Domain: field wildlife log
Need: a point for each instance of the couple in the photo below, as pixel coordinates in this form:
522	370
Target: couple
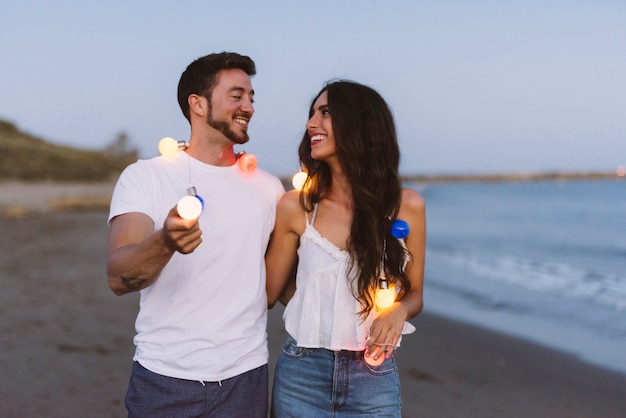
201	346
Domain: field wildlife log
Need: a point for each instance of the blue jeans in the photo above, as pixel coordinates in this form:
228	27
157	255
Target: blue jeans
153	395
311	383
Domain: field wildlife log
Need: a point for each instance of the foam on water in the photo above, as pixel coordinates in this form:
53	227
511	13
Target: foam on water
555	278
544	261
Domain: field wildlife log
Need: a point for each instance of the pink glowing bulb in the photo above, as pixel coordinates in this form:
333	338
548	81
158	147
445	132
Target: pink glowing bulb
247	162
370	360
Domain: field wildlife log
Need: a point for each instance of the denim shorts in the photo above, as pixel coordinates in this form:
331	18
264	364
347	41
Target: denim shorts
153	395
314	382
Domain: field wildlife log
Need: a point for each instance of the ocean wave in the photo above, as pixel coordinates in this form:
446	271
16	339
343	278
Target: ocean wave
575	283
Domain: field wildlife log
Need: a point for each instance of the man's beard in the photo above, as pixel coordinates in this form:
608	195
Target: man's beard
224	128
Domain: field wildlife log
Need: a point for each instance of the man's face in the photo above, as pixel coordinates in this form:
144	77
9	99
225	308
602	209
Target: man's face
230	105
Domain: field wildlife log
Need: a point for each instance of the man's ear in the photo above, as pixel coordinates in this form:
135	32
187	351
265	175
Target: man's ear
198	104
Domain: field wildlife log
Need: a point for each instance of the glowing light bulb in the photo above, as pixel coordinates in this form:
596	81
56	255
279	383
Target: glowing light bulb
385	298
298	180
190	207
168	146
247	162
385	294
370	360
400	229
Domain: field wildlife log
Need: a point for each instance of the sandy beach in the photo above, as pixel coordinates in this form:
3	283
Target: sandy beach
66	340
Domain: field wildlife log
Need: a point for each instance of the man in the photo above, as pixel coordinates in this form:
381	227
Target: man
201	346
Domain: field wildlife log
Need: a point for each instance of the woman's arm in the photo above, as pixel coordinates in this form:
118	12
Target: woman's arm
387	328
281	255
413	210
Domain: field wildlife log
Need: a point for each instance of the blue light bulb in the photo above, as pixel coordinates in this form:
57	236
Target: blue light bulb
400	229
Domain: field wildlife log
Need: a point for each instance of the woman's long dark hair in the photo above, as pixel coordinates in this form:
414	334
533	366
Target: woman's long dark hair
367	148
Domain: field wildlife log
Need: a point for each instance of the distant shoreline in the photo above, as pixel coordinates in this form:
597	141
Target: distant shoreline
21	197
496	177
511	177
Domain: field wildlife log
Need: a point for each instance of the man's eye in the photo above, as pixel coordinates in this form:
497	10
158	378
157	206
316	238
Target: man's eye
237	97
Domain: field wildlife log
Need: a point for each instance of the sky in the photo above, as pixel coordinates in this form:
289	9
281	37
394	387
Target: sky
478	86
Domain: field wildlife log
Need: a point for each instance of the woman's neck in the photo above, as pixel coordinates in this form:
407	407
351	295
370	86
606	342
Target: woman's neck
340	189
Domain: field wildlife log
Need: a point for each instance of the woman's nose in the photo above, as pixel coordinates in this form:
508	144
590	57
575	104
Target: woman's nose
312	123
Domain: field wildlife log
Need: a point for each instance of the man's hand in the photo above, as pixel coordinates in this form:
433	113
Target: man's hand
182	235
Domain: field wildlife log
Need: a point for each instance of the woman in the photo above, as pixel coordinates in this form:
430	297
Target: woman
336	232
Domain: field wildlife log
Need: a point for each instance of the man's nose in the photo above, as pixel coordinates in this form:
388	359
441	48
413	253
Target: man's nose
247	106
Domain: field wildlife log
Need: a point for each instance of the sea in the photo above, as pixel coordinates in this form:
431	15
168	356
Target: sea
543	260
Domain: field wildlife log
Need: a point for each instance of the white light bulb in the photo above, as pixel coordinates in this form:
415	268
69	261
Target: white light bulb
168	146
189	207
298	180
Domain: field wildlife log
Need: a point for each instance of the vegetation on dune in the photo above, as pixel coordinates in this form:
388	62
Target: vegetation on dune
24	157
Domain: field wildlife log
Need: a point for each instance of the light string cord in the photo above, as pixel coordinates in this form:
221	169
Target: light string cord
191	190
189	164
269	160
382	275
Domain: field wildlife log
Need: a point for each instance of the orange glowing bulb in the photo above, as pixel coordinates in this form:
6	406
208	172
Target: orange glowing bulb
385	297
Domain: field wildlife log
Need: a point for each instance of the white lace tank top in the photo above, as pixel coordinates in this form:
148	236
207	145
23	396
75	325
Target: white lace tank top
323	312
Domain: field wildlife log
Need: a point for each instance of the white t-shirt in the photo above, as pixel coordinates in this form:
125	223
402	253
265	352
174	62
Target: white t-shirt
205	316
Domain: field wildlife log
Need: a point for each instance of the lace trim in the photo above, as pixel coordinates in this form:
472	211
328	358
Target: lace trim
314	236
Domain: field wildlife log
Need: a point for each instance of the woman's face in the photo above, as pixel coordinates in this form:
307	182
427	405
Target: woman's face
320	129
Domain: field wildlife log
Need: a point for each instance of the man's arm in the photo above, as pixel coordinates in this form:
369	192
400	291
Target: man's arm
137	254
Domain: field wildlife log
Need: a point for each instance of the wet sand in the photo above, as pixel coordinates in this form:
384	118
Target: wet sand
66	342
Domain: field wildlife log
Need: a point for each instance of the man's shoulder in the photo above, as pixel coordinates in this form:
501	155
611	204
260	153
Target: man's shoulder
269	179
157	163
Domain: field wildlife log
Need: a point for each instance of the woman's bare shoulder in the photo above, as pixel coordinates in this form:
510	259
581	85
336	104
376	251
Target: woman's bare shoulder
411	200
290	213
290	201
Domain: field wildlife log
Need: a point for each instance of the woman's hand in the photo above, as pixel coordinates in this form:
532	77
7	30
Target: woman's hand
385	331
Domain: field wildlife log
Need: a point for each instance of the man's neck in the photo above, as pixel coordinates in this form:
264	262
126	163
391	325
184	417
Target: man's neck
214	152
